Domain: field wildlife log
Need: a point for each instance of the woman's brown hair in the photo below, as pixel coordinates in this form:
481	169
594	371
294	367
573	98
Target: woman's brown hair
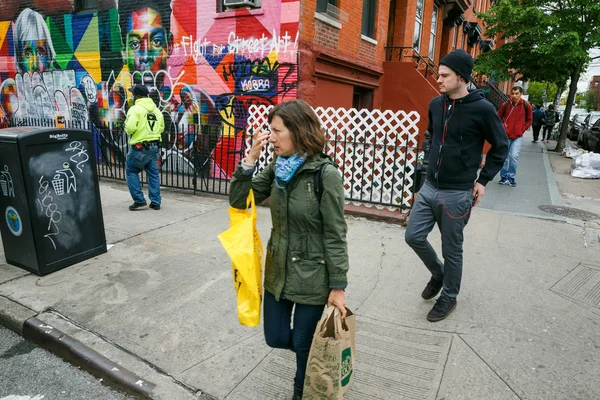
303	124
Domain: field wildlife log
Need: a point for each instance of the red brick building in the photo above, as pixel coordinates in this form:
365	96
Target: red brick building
595	83
383	53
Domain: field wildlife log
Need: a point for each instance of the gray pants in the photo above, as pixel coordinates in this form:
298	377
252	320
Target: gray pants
451	210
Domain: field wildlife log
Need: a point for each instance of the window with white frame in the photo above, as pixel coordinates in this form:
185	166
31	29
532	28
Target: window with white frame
433	33
322	5
418	25
368	18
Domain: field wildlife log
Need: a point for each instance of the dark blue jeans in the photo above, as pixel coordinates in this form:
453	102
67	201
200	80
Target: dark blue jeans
279	334
137	161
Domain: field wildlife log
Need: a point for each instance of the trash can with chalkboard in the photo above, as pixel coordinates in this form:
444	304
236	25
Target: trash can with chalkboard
49	198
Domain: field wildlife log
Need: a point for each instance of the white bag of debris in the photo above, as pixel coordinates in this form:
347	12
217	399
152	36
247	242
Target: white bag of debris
586	166
571	152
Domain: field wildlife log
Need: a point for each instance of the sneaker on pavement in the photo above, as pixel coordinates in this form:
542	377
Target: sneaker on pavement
155	206
442	308
137	206
432	289
503	181
512	182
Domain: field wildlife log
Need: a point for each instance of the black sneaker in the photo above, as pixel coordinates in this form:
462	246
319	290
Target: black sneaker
137	206
155	206
297	394
442	308
432	289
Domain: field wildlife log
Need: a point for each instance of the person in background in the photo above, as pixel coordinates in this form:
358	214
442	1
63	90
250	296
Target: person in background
517	116
539	118
551	119
145	125
307	254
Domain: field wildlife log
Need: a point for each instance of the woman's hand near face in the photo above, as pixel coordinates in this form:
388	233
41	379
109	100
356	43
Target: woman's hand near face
260	139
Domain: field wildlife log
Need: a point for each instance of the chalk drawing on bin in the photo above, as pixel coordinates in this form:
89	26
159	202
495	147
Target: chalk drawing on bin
64	178
50	209
6	183
81	155
13	220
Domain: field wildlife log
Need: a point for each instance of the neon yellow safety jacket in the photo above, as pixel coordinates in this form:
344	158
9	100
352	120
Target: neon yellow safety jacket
145	122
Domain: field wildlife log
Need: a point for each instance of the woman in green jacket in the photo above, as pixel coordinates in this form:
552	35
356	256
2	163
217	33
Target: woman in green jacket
307	253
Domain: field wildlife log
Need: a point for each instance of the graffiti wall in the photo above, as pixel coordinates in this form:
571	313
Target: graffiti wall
202	67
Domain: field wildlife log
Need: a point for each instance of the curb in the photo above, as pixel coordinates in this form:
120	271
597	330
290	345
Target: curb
22	320
552	185
370	213
374	214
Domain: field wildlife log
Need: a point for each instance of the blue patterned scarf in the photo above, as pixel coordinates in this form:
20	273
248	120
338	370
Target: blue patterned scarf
286	167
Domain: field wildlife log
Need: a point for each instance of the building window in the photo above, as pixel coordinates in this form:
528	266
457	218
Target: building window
368	18
595	84
86	5
362	98
433	34
418	25
455	38
322	5
224	5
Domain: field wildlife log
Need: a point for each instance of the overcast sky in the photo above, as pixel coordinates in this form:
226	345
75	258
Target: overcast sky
594	69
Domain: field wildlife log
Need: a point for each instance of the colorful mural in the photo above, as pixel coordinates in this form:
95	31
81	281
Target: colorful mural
203	67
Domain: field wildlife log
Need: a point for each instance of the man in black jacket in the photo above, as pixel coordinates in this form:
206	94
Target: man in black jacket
459	122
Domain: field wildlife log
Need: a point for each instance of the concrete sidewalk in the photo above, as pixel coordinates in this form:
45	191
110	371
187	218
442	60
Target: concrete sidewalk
161	304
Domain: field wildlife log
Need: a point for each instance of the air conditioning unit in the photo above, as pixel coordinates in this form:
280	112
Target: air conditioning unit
240	3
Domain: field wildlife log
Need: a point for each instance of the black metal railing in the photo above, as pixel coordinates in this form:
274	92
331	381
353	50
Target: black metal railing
200	158
408	54
492	93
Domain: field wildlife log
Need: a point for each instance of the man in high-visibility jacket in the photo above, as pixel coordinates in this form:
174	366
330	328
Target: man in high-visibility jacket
145	124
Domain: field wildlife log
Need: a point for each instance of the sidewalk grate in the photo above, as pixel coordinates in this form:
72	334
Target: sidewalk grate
582	285
570	212
391	363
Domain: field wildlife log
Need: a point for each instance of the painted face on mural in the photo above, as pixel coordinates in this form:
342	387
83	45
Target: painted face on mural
34	56
148	43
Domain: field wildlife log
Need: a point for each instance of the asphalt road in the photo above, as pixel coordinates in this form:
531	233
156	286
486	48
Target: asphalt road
28	372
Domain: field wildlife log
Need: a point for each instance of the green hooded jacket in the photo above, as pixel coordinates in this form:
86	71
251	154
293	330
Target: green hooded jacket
307	253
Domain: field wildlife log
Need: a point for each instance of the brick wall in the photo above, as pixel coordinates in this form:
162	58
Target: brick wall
326	35
349	41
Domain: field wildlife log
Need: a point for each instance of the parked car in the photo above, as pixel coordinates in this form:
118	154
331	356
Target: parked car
576	126
590	134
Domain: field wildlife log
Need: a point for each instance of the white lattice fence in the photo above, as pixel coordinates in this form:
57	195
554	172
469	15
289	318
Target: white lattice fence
376	152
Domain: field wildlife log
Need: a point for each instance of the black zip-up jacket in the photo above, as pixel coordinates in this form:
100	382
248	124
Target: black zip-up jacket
454	157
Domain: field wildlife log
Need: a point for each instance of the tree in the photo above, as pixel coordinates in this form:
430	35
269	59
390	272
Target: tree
547	40
542	92
592	100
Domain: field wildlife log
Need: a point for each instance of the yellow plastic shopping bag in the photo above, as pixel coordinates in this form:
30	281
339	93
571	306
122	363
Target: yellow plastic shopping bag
244	247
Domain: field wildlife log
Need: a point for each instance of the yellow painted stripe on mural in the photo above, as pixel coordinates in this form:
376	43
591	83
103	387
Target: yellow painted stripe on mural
3	31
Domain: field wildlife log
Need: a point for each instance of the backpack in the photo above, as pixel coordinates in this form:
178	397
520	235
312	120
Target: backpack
318	182
526	107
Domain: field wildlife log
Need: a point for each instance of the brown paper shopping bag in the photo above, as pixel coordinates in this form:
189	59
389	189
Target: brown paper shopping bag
331	358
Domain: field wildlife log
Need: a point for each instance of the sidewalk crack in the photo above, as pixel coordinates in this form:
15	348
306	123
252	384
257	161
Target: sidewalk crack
248	374
14	279
437	393
490	367
380	270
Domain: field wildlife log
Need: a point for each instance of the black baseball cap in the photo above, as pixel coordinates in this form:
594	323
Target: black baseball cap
139	90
